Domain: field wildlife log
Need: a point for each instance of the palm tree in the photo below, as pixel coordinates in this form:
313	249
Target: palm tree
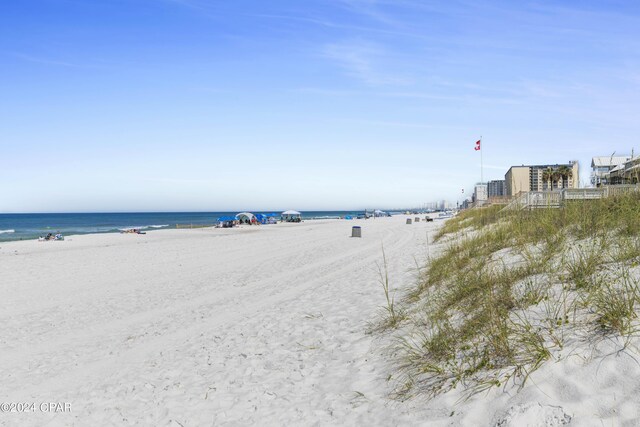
547	176
565	172
557	178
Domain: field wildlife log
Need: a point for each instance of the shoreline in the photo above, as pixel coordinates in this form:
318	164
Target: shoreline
11	232
152	229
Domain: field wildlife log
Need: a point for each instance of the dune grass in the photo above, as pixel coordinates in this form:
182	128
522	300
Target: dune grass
393	315
509	287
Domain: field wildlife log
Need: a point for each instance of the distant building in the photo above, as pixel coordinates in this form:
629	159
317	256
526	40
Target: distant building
517	179
480	195
541	178
625	173
496	188
602	166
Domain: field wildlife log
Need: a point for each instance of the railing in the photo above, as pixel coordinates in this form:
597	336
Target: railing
583	193
499	200
543	199
556	198
617	190
536	199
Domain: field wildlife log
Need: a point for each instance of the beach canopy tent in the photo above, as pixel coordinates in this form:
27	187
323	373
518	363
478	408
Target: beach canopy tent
291	216
226	221
245	216
270	218
267	218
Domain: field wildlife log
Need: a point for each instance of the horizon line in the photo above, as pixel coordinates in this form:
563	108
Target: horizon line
207	211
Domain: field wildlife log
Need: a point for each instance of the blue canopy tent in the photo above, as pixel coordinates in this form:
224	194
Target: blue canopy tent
267	218
226	221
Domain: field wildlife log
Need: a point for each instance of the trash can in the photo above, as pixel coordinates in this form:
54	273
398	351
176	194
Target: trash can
408	220
417	219
356	231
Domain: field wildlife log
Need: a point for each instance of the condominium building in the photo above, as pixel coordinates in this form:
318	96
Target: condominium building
602	166
541	177
496	188
624	173
480	194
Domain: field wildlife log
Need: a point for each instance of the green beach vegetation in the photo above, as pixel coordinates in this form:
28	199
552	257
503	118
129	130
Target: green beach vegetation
510	290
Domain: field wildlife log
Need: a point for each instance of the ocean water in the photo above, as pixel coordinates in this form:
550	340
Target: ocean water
31	226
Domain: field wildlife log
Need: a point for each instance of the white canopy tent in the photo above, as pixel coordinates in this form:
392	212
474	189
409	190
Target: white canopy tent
291	216
245	216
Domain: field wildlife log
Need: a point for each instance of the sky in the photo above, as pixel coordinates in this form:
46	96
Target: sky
203	105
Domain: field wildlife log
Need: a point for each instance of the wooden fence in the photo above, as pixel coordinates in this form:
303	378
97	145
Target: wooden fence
556	198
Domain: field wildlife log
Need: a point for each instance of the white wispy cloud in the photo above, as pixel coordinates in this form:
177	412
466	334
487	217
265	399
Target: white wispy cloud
48	61
364	61
370	9
327	23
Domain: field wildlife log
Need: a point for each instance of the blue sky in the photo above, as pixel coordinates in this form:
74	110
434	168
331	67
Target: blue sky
147	105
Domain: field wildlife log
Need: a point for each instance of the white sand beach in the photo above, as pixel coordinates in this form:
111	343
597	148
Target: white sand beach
250	326
258	325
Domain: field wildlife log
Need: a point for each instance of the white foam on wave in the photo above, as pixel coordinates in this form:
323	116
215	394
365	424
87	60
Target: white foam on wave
7	231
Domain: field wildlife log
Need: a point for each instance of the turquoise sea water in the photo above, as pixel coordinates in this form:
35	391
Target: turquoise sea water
30	226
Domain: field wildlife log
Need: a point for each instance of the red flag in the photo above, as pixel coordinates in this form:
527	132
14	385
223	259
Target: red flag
477	147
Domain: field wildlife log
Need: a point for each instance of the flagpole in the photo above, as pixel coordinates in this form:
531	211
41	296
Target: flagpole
481	165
